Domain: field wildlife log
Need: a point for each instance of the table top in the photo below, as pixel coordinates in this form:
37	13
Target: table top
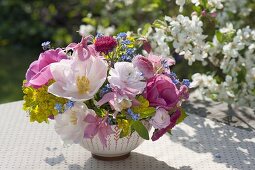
198	143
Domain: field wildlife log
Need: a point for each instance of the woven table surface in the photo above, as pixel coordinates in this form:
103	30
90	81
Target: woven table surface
198	143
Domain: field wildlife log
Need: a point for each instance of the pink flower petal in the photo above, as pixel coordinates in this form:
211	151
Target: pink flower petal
173	119
42	77
90	119
38	73
91	130
102	137
106	98
33	69
144	65
162	92
103	132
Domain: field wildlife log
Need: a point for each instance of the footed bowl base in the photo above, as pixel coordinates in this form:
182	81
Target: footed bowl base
115	158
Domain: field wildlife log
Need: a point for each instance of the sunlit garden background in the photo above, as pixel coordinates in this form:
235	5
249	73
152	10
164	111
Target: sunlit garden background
25	24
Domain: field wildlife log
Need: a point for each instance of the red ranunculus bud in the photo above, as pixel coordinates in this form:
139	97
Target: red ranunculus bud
105	44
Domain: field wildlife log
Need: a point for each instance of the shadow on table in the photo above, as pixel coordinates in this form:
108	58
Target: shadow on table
145	162
55	160
228	145
240	117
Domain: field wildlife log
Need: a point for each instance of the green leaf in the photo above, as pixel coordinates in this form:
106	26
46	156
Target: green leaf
214	96
204	3
150	7
144	112
159	24
143	102
228	37
100	112
141	129
90	21
241	75
253	91
146	28
197	9
218	79
182	117
143	109
219	36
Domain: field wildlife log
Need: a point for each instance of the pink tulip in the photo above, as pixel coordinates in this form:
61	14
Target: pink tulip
144	65
39	72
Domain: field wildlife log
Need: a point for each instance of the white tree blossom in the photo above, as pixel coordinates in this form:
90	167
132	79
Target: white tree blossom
231	50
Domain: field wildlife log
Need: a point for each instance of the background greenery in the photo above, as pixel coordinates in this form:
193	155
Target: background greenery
25	24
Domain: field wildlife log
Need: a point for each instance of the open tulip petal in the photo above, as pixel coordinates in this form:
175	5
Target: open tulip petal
78	80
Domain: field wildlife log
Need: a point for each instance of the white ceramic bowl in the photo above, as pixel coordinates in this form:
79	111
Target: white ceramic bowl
117	148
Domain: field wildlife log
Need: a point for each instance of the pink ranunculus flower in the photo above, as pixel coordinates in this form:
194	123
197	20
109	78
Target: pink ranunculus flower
162	92
126	77
161	119
39	72
173	120
144	65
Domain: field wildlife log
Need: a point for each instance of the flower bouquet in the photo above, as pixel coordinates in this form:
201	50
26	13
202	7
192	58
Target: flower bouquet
103	95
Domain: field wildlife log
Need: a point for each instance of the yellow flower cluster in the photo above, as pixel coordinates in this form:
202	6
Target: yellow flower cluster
40	104
132	42
125	126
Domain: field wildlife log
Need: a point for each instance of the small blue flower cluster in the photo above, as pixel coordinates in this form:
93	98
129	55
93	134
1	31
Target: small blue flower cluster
105	89
186	82
46	45
172	74
125	57
60	108
174	78
165	64
128	53
125	42
175	81
133	115
121	35
69	104
99	35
